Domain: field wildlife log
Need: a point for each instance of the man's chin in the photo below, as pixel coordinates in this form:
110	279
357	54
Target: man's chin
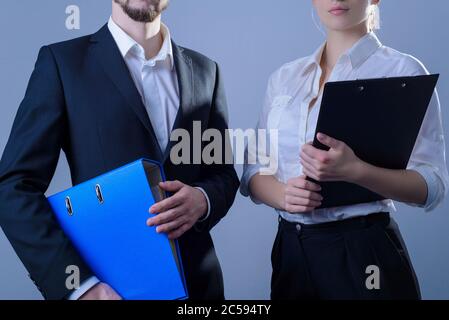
142	12
141	15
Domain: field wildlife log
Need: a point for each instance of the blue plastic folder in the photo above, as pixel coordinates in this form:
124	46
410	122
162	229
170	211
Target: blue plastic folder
105	218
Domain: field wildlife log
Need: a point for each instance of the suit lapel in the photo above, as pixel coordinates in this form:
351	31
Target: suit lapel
184	71
109	57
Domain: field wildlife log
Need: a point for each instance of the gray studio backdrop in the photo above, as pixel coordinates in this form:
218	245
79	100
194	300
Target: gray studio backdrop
250	39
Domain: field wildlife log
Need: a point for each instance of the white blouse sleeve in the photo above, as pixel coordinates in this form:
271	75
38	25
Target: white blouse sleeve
252	164
428	156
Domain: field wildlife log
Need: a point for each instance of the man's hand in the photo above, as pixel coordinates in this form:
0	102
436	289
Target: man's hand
178	213
101	291
301	195
339	163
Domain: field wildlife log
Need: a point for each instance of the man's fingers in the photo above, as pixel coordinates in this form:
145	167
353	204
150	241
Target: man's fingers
171	186
165	204
100	291
179	232
170	226
170	202
111	294
164	217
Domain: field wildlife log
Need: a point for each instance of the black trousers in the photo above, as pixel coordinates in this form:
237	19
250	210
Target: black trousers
358	258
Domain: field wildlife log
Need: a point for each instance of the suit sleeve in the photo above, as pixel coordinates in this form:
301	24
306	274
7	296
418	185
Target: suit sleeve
219	181
27	166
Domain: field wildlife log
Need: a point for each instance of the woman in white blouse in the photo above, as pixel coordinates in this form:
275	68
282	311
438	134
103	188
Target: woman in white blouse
355	251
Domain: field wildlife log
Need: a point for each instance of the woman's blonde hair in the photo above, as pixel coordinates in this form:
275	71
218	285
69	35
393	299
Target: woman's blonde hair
374	23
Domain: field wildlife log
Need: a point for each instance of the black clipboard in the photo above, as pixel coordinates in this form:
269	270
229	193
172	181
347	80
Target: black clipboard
379	119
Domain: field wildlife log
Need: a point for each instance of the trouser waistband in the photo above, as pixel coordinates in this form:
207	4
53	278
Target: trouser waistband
382	218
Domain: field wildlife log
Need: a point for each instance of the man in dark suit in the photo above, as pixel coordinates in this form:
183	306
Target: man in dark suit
106	100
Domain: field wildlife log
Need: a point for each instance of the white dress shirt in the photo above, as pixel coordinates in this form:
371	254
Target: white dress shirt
155	79
286	108
157	82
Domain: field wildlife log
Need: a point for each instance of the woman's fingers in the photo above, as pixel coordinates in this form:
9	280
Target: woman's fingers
311	174
307	168
297	209
298	192
298	201
302	195
302	183
307	159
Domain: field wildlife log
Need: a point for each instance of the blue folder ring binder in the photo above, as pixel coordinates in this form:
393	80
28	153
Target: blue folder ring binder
105	218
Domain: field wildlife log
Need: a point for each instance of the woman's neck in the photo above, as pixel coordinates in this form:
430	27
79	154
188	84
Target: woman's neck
338	42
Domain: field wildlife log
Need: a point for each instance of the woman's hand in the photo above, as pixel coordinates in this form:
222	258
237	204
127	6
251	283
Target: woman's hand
301	195
339	163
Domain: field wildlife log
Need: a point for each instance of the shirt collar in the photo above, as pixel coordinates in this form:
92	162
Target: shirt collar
363	49
357	54
126	44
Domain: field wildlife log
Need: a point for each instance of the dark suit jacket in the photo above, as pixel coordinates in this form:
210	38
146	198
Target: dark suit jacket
81	99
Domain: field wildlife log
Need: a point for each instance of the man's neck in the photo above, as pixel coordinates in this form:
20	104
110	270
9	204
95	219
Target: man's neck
148	35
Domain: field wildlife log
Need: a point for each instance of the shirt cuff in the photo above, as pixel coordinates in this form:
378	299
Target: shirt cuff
433	187
248	173
208	204
85	286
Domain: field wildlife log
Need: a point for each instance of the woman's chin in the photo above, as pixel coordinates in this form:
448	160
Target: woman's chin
340	26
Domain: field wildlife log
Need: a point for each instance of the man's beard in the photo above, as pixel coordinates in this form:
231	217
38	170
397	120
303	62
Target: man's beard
143	15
